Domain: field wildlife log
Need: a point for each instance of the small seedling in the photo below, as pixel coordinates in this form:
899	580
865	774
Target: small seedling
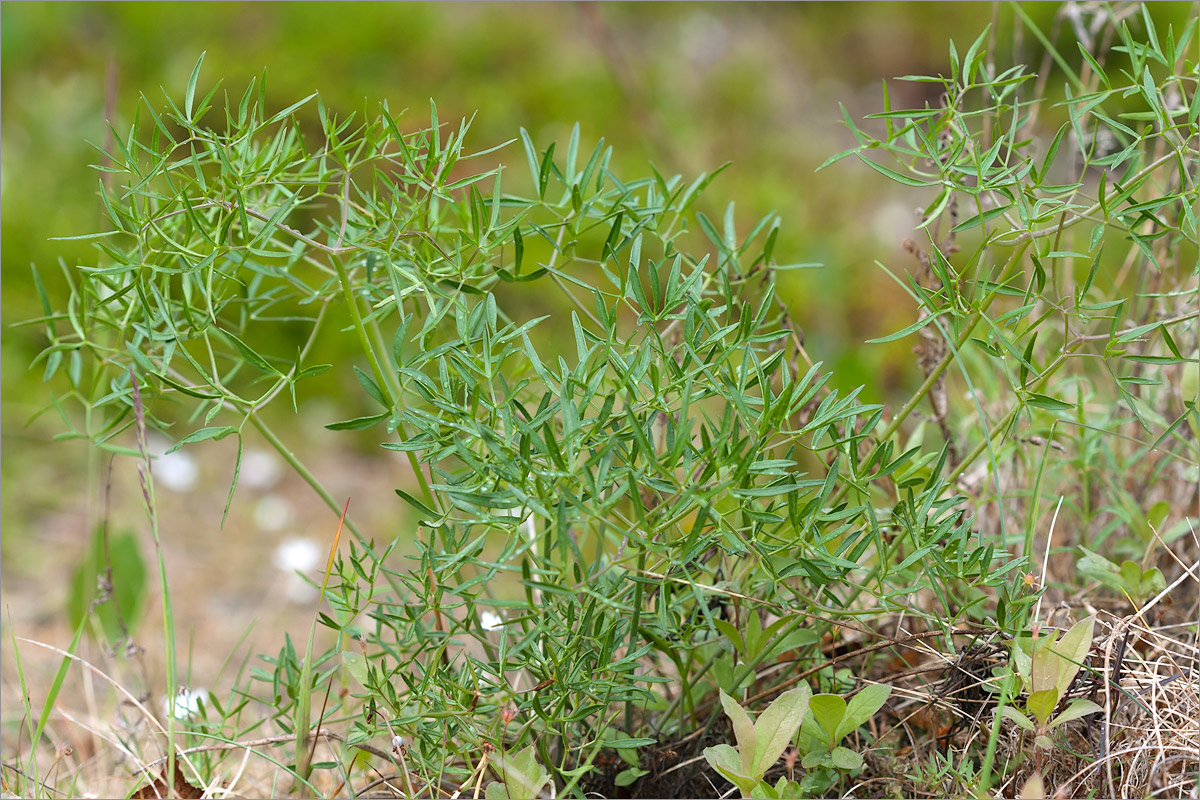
1129	579
760	744
1047	675
521	776
832	719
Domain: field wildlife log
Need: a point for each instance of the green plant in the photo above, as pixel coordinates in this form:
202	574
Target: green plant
760	743
1129	579
833	719
109	581
602	493
601	501
520	777
1047	667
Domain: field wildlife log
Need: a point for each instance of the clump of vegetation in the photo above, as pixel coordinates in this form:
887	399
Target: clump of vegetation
654	508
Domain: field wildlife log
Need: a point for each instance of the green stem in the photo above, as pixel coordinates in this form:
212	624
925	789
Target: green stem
930	379
633	628
1006	422
700	673
150	505
385	386
985	772
424	484
364	339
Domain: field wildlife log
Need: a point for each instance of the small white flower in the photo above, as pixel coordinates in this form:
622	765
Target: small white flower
490	620
187	702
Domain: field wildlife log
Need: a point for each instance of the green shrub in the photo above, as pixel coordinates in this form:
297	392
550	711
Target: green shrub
668	492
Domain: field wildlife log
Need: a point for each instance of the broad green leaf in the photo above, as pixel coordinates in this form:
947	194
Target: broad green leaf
1010	713
1072	650
777	726
1041	704
1131	577
356	664
128	580
743	732
1096	567
845	758
521	776
1153	582
1157	514
828	710
862	707
753	632
1189	379
731	633
1079	707
628	777
728	761
1046	663
724	758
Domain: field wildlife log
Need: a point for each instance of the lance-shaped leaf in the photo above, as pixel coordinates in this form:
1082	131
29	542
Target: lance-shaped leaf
777	725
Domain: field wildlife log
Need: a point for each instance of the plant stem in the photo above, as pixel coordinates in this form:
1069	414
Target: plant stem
985	772
930	379
364	339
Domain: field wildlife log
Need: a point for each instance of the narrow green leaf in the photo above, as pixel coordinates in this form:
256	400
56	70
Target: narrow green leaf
204	433
371	387
980	219
624	744
911	329
358	423
190	95
289	110
893	175
250	355
425	510
1046	402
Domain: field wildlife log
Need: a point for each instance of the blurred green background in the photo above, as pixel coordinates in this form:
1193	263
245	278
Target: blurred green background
684	86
